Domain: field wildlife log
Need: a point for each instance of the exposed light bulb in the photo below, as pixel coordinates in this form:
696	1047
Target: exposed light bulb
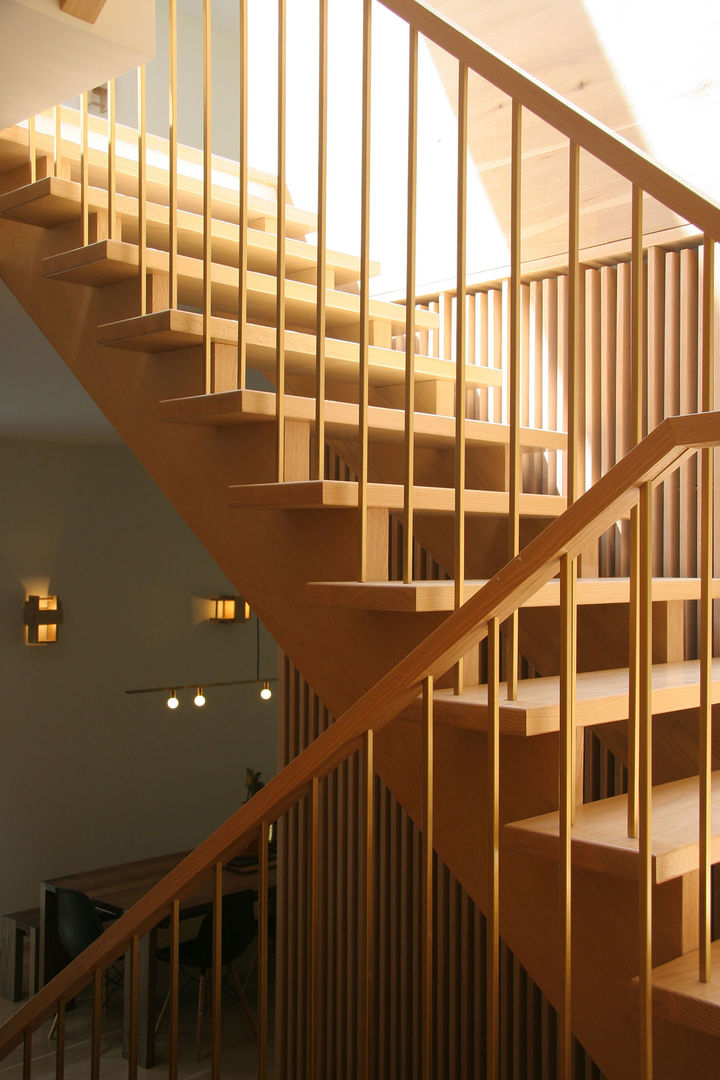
199	698
266	692
173	701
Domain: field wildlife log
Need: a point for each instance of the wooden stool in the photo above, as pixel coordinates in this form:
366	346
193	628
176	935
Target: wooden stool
15	928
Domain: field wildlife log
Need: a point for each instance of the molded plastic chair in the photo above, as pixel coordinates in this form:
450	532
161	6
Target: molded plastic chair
79	923
238	931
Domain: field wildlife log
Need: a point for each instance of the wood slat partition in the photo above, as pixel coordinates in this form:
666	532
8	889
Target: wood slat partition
528	1032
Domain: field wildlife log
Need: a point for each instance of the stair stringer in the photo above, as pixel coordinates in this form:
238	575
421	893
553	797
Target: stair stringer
605	908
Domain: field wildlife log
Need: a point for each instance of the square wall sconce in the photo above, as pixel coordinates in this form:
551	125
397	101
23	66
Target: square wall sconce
229	609
43	615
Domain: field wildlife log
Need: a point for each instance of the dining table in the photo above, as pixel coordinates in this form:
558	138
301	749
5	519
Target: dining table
120	887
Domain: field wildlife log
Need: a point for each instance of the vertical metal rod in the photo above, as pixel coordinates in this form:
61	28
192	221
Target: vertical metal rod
84	215
427	883
364	292
57	141
207	196
408	536
514	382
60	1042
314	957
32	149
636	381
217	972
493	821
645	780
27	1055
368	928
133	1035
172	153
568	619
573	329
321	277
706	615
243	199
112	160
174	989
460	325
142	190
280	294
97	1007
263	952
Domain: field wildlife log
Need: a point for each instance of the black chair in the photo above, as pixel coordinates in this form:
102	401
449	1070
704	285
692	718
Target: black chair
238	931
80	921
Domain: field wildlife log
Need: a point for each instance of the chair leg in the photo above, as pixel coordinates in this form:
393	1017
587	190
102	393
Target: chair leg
243	1000
200	1013
161	1015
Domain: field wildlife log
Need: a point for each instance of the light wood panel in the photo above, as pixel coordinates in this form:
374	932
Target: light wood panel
322	494
112	261
602	698
87	10
55	201
599	836
438	595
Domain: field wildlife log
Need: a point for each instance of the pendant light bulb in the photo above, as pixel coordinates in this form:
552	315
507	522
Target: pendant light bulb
199	698
266	692
173	701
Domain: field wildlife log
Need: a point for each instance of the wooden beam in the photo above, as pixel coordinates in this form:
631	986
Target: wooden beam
87	10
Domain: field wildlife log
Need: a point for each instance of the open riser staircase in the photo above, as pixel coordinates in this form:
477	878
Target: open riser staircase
479	525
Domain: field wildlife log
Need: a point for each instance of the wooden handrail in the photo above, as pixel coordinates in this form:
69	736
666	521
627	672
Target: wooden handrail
610	498
565	117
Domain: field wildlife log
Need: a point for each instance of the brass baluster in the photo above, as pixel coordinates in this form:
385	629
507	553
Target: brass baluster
321	277
207	196
636	393
243	199
493	822
172	153
460	321
142	189
512	654
364	293
217	972
408	524
645	778
706	615
280	285
427	883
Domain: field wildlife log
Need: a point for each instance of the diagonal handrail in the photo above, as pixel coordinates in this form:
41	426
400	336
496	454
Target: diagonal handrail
610	498
568	119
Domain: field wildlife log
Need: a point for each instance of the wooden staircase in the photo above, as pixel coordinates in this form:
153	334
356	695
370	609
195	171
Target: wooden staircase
211	450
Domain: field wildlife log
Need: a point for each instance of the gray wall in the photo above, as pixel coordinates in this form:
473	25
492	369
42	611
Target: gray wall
88	775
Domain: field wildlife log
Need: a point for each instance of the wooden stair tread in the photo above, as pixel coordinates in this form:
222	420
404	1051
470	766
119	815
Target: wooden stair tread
341	419
679	996
602	698
55	201
110	261
14	152
599	836
322	494
429	596
164	331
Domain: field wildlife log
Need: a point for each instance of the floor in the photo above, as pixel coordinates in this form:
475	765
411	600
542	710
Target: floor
239	1055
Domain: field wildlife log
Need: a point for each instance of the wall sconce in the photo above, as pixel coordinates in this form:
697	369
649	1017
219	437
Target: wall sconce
229	609
43	615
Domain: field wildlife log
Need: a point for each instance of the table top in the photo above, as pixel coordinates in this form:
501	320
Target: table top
125	884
